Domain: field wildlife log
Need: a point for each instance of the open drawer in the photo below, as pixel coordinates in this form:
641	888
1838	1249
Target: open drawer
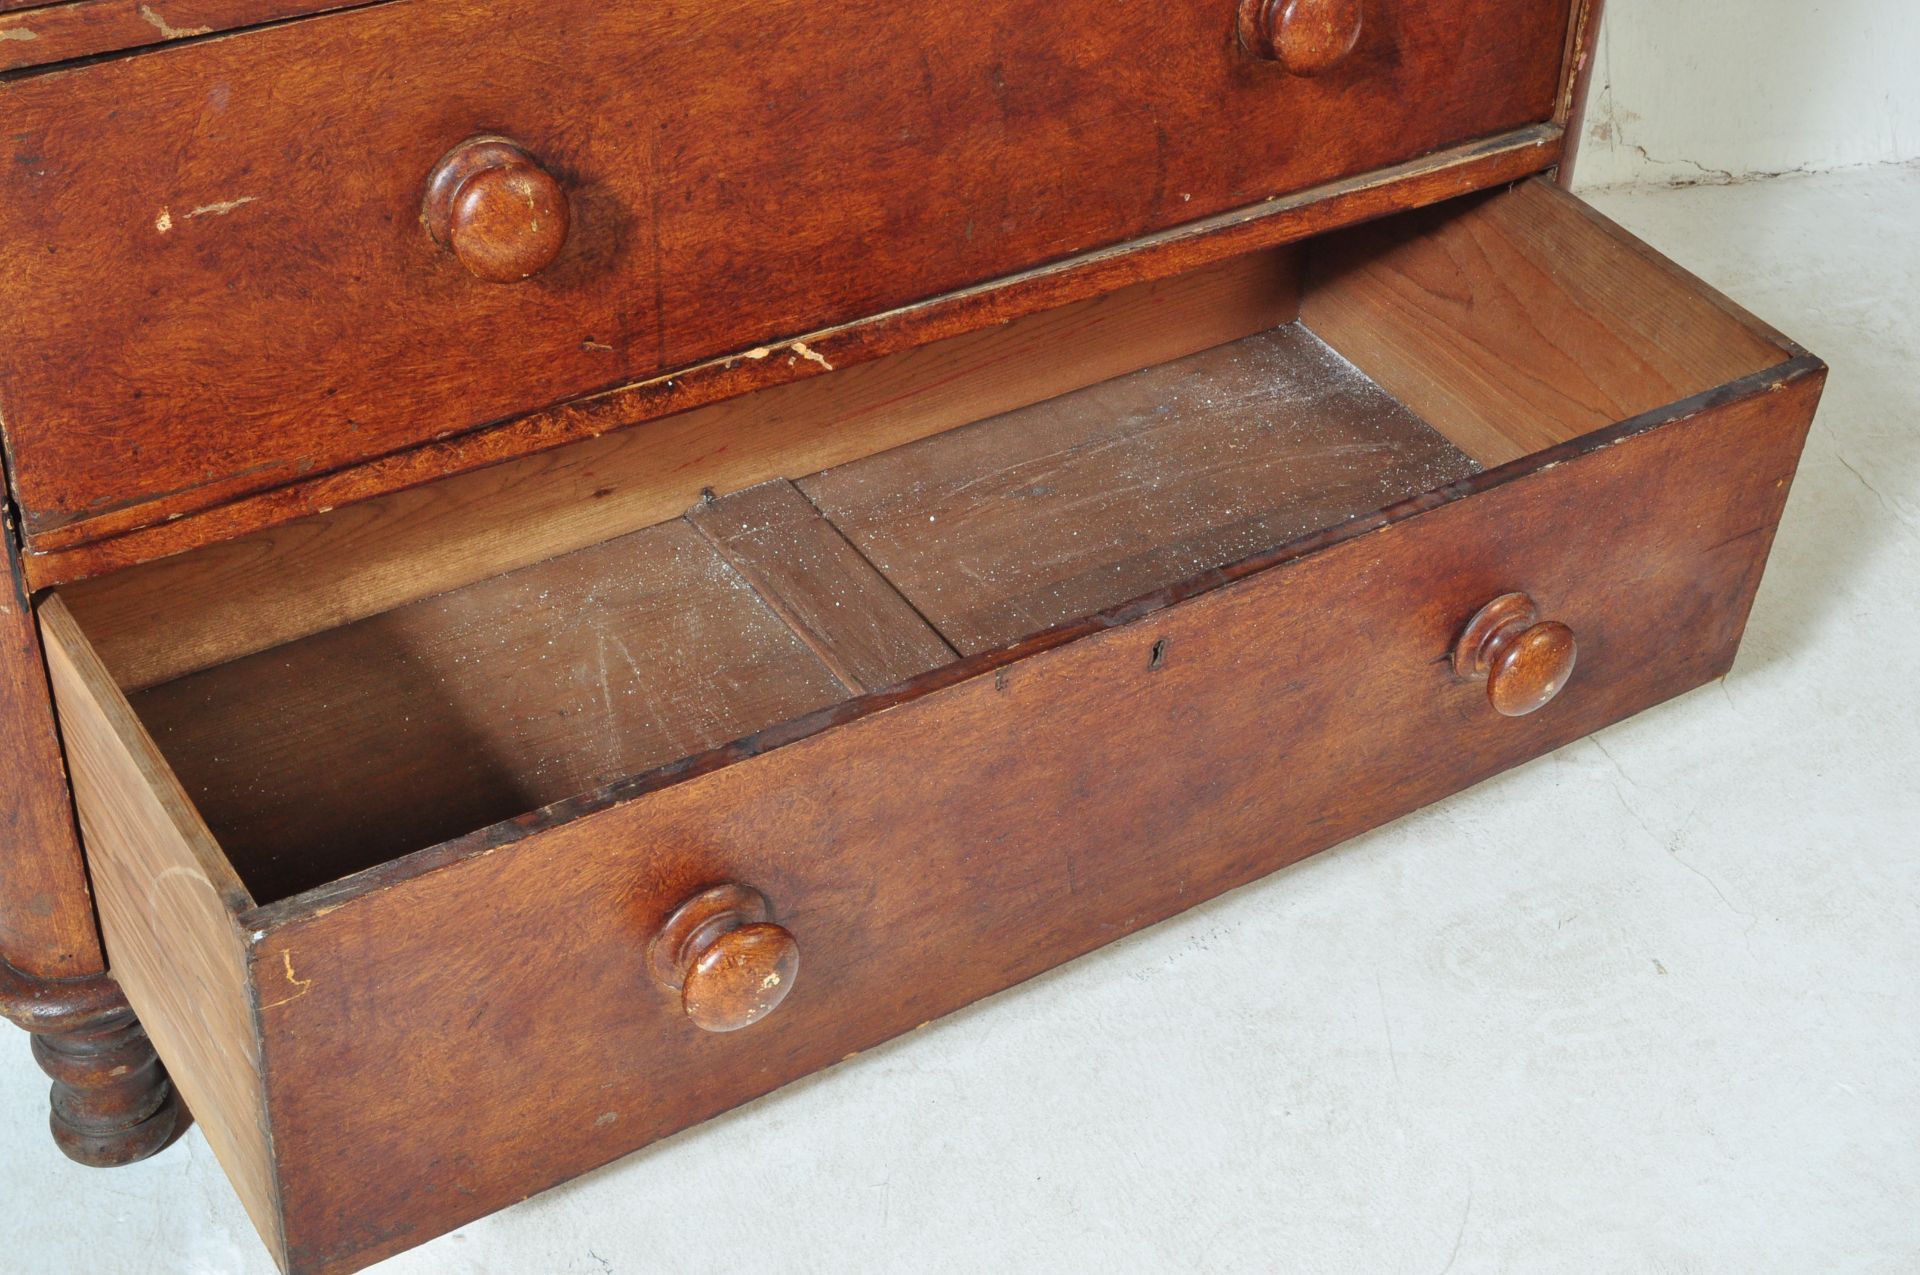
435	844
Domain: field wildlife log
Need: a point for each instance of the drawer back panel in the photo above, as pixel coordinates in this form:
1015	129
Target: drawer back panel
219	279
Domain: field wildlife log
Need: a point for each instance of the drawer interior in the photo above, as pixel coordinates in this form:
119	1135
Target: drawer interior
392	677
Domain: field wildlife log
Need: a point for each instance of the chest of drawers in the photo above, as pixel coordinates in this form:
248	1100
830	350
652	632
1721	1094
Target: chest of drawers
575	564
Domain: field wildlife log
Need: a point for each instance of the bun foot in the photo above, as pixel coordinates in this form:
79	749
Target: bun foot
112	1103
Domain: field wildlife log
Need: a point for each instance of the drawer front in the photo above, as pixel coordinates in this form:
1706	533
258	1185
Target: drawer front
423	1067
220	278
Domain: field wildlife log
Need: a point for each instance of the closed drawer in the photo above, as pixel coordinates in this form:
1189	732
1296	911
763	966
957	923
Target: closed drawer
391	898
220	281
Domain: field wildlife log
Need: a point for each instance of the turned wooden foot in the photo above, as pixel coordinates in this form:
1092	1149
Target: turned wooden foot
112	1102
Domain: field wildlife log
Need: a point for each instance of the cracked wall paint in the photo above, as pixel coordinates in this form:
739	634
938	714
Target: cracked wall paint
1720	91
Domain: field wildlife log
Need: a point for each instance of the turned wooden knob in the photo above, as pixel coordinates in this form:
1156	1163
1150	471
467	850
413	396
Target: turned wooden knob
1306	37
1524	661
491	205
721	951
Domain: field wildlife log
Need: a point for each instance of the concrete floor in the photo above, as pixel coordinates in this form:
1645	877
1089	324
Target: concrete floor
1651	1004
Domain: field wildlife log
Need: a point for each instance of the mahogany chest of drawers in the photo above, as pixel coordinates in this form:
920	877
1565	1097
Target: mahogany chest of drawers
573	564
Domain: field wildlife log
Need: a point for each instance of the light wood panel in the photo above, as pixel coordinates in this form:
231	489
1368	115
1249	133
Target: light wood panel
168	899
1041	516
158	621
1518	320
831	597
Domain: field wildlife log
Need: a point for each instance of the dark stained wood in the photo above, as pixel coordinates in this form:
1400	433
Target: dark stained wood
153	623
111	1102
407	1033
722	201
1510	325
1306	37
729	963
60	32
740	977
332	754
168	902
134	537
1042	516
831	597
41	1005
1084	792
47	928
926	844
1582	52
492	206
317	759
48	32
1524	660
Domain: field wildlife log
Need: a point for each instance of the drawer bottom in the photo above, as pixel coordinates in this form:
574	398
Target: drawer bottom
330	755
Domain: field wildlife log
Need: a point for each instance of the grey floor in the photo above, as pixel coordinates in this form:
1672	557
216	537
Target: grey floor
1651	1004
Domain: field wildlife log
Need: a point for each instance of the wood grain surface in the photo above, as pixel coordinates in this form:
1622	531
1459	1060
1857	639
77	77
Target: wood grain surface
930	843
112	541
1583	48
36	33
317	759
356	745
181	614
276	310
168	901
981	830
833	599
47	927
1522	318
1042	516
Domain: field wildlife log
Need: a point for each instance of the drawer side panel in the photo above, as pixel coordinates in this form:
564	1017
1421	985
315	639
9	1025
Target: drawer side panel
167	901
496	1013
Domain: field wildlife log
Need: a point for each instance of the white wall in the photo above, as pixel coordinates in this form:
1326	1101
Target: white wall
1723	90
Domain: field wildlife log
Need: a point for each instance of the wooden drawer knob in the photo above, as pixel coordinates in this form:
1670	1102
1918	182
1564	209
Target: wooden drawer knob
1306	37
497	210
721	951
1524	661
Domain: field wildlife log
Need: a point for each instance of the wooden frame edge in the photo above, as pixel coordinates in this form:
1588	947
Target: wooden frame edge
1582	57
